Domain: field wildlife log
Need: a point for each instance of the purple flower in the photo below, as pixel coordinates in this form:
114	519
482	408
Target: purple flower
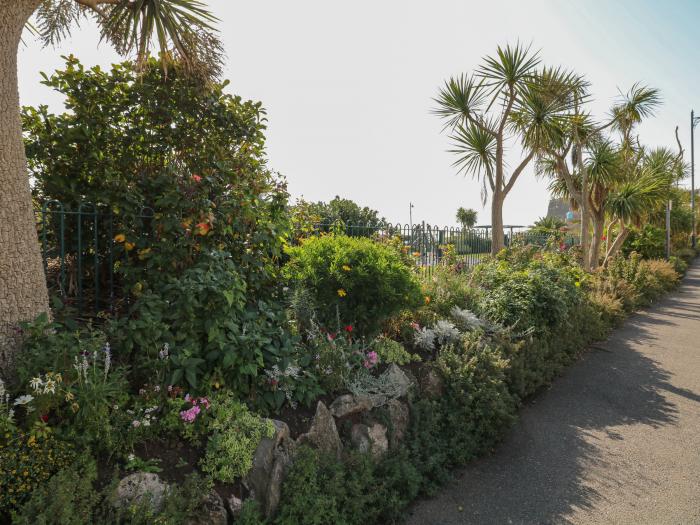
188	416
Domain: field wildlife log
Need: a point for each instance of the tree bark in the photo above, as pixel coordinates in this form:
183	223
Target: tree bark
23	292
584	207
598	230
619	241
497	238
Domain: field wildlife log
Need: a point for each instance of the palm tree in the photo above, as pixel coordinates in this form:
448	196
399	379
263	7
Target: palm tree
466	217
506	98
180	29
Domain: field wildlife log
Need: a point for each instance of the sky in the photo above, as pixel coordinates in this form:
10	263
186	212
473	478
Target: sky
348	86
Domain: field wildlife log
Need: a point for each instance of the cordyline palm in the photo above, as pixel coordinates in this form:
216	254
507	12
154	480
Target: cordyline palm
565	160
506	98
180	29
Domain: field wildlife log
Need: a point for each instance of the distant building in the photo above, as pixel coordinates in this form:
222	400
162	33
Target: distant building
558	208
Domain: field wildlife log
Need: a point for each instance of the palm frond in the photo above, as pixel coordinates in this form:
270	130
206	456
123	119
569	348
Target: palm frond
475	149
459	99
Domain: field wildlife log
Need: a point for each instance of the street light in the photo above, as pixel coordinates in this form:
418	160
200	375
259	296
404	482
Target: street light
693	121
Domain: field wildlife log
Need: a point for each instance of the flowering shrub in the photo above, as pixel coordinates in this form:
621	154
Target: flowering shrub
336	357
390	351
26	461
352	279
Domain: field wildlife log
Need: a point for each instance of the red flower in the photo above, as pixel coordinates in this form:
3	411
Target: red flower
197	178
348	328
331	337
604	238
44	418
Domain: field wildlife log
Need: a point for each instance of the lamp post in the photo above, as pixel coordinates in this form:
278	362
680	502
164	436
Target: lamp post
693	121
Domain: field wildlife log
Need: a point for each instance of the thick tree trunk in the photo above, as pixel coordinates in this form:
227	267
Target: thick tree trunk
585	216
598	229
497	238
23	293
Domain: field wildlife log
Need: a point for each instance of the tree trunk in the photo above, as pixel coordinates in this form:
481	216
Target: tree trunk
598	229
584	207
617	245
23	293
497	239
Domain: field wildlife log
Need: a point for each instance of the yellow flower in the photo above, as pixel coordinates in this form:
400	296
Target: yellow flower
342	293
58	377
120	237
69	396
416	254
577	284
143	253
346	268
129	246
427	299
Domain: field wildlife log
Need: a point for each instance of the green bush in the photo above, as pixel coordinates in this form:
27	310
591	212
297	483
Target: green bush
236	435
26	461
649	241
528	293
390	351
477	405
352	280
68	498
687	254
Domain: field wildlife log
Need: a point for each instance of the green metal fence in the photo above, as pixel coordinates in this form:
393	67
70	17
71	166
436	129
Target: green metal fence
83	261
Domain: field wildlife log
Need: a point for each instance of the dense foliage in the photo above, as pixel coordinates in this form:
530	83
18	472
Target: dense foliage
352	280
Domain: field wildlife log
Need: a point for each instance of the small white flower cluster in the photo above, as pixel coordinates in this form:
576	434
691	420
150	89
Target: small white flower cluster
143	417
465	319
277	376
5	404
45	385
164	353
81	367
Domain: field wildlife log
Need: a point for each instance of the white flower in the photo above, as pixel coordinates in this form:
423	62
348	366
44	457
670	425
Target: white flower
165	352
2	388
146	423
50	387
23	400
36	383
11	413
136	423
131	457
115	407
156	388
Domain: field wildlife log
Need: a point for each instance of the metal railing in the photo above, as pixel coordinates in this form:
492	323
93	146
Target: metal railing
83	261
80	254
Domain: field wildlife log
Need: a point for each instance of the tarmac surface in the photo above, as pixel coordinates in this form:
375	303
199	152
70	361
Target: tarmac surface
615	439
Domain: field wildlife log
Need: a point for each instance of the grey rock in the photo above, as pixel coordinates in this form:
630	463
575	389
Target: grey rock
138	487
399	416
323	434
370	439
234	504
399	379
270	462
431	383
349	404
212	511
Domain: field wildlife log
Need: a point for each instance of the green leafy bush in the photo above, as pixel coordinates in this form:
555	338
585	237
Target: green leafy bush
687	254
26	461
477	405
68	498
236	434
352	280
528	293
649	241
390	351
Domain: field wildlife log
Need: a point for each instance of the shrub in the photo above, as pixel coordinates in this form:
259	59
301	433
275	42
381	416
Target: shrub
679	264
26	461
68	498
390	351
448	288
530	294
352	280
236	435
477	405
649	242
610	307
687	254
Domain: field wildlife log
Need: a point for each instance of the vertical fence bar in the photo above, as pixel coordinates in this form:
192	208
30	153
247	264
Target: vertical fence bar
79	254
96	261
110	244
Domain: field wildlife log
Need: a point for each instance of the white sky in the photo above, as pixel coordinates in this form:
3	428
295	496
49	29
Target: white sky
348	86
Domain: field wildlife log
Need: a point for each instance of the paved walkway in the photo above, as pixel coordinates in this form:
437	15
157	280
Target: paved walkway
616	440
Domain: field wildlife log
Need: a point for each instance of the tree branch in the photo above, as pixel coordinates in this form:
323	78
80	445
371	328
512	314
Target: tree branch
518	171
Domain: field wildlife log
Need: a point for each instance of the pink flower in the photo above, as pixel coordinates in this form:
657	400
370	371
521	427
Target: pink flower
372	359
205	402
415	326
197	178
187	397
188	416
136	423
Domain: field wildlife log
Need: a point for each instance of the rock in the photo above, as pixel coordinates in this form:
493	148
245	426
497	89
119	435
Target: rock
139	486
323	433
399	417
431	383
370	439
348	404
397	377
212	511
234	505
270	462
